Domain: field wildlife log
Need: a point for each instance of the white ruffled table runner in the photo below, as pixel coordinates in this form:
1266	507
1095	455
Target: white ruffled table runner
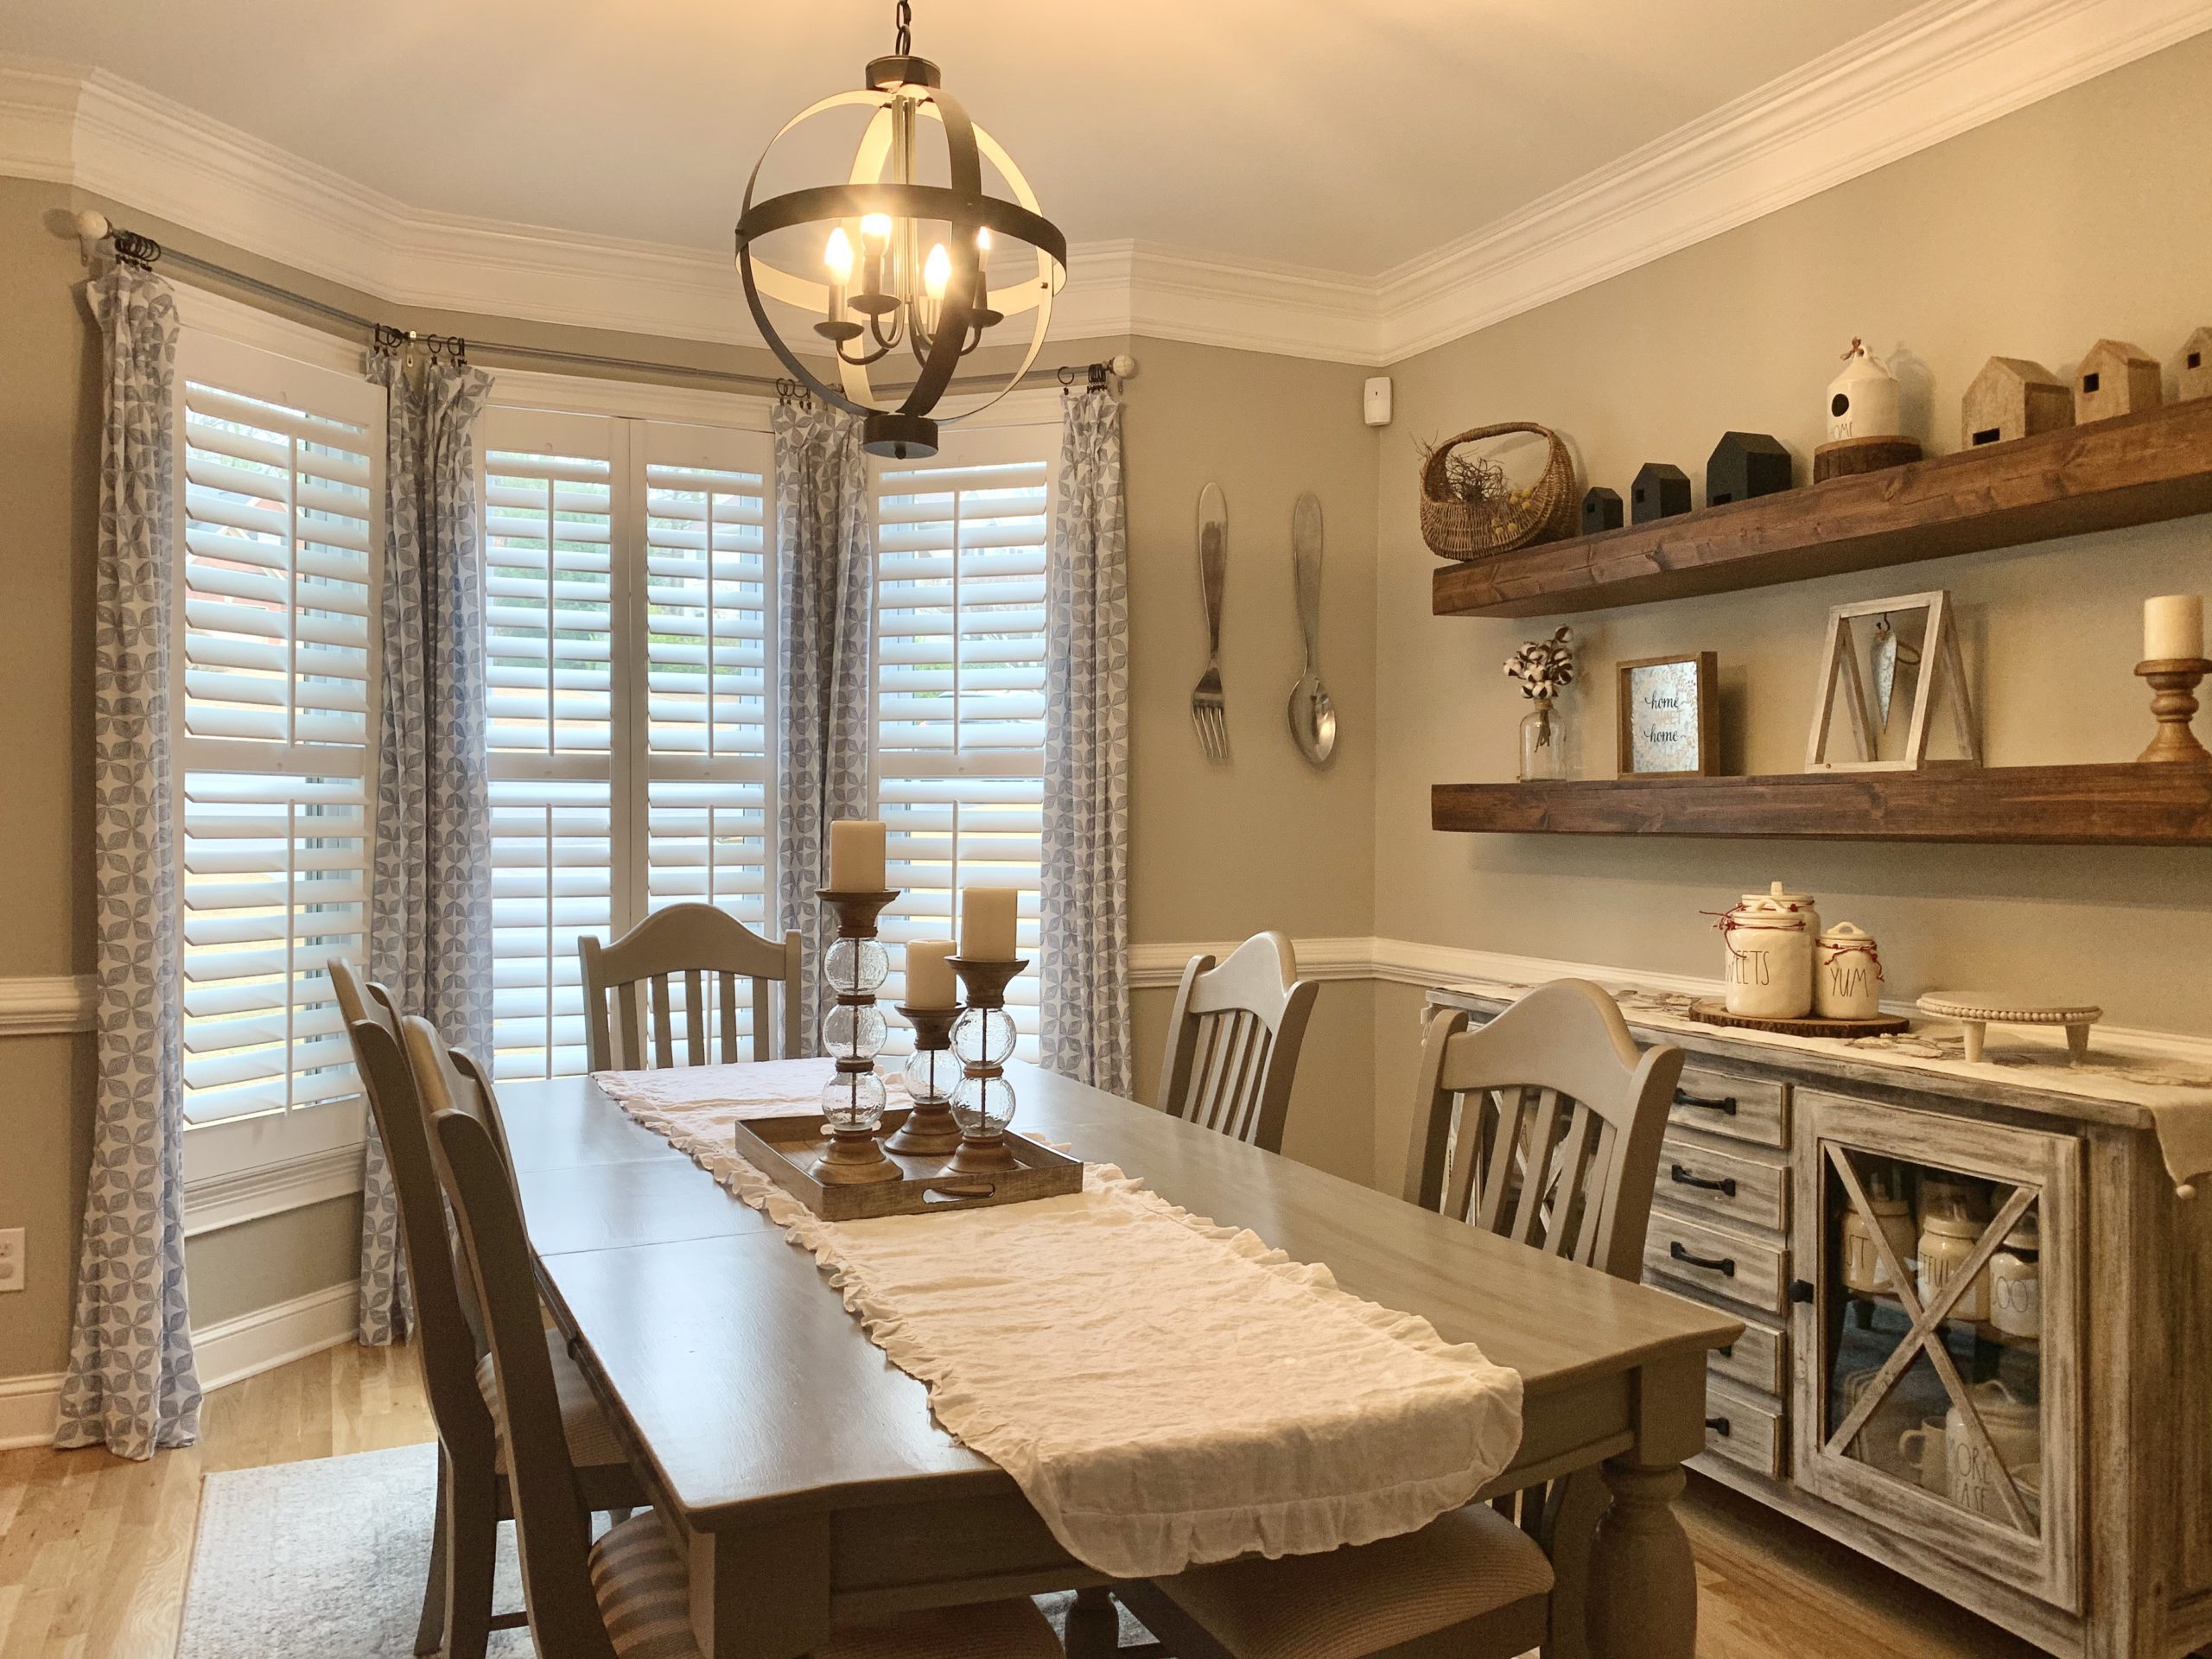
1167	1392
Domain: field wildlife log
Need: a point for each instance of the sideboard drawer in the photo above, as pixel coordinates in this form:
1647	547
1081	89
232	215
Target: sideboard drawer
1731	1184
1743	1429
1757	1359
1717	1262
1740	1107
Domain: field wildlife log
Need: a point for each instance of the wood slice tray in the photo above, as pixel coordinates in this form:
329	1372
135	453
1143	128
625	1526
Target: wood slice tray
784	1150
1712	1011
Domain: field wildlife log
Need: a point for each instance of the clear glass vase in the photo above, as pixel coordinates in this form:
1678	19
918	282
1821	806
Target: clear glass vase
1543	742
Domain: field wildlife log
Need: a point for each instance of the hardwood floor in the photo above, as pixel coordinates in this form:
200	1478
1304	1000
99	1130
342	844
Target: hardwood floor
93	1550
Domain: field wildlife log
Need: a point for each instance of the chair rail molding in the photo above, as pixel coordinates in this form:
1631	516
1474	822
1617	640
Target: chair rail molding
1933	72
40	1007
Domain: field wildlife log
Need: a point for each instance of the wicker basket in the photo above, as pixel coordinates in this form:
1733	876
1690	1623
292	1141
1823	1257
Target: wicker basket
1481	529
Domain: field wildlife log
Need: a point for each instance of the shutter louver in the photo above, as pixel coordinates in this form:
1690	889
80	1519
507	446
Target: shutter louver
274	671
960	687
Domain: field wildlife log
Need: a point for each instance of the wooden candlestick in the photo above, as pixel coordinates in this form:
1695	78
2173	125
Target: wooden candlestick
984	1151
930	1130
855	1156
2174	680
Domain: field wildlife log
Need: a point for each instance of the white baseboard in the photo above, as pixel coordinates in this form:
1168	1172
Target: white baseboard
260	1341
29	1407
228	1351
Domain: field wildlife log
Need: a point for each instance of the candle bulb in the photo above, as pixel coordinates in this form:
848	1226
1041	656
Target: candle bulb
929	974
856	855
987	919
838	256
2173	627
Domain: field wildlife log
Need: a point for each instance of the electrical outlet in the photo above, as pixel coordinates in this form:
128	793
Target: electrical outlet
11	1258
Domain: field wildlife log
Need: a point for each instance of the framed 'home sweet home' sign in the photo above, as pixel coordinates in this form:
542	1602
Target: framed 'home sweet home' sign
1667	716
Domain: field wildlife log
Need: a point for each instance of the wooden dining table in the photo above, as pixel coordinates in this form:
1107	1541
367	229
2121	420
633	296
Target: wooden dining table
809	1482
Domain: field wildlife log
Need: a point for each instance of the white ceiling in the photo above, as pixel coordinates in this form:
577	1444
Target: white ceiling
1348	135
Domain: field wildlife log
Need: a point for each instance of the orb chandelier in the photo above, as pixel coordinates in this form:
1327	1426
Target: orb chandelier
897	272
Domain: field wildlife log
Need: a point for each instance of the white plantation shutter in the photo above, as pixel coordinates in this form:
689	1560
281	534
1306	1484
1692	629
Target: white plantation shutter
281	506
626	569
960	547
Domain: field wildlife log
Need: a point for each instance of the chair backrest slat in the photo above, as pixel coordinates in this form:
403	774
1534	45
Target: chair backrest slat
551	1528
1544	1126
1233	1042
706	950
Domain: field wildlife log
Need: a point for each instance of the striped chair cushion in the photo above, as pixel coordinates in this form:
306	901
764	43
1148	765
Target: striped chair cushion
591	1442
1350	1602
644	1595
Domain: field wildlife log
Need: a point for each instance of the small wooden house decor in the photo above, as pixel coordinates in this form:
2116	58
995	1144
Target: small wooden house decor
1661	490
1601	510
2194	378
2115	378
1863	421
1938	672
2012	397
1745	464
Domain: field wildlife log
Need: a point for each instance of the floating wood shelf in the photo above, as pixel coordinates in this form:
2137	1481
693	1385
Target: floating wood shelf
2131	805
2135	469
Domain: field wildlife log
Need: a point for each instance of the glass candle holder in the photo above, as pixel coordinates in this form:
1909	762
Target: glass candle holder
983	1037
932	1076
853	1029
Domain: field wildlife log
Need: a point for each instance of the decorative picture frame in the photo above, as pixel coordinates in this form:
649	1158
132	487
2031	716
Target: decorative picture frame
1669	716
1937	667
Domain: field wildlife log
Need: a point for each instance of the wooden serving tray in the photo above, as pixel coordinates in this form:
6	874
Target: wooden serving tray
1712	1012
784	1150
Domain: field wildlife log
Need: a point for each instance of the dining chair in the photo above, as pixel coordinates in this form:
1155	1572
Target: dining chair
627	1595
473	1493
1233	1041
1543	1127
691	945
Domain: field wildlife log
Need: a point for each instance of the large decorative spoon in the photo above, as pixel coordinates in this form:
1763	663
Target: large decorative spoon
1312	716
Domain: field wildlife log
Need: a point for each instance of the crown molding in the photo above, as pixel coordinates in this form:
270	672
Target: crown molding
1933	72
1929	74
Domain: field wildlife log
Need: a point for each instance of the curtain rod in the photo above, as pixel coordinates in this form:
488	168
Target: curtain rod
142	251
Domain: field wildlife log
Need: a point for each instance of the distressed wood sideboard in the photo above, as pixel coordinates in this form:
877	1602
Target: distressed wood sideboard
2039	1448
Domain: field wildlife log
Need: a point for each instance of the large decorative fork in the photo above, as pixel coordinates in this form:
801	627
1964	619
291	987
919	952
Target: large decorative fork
1207	713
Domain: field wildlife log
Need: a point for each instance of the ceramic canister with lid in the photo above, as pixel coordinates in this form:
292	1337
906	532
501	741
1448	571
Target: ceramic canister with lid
1863	1270
1946	1241
1846	974
1767	954
2016	1280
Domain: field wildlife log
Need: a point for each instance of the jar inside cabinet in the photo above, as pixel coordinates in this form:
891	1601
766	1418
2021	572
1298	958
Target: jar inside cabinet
1940	1362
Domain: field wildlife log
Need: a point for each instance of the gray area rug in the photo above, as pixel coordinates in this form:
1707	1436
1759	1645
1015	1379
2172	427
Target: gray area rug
325	1560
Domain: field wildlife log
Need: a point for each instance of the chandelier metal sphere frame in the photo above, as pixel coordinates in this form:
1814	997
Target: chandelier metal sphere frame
877	289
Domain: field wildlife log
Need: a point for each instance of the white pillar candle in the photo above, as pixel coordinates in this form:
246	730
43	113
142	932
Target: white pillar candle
855	855
987	923
2173	626
929	974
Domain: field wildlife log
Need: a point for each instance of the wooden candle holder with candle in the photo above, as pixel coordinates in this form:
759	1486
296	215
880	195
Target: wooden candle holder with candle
852	1031
932	1076
983	1038
2173	663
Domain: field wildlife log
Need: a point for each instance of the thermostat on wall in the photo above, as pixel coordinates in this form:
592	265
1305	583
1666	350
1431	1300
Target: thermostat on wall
1378	401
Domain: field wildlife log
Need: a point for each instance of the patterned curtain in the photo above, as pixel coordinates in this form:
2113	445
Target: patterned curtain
131	1382
824	569
430	903
1085	877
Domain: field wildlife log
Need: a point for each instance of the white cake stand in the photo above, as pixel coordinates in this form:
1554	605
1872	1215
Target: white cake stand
1976	1011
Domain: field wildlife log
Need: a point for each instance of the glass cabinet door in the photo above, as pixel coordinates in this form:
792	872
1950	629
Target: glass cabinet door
1937	1336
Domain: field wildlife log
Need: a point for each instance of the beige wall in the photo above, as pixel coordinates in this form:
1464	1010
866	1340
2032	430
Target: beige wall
1266	841
272	1260
2088	215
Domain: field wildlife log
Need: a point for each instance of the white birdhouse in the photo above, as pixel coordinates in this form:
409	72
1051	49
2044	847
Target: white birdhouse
1863	399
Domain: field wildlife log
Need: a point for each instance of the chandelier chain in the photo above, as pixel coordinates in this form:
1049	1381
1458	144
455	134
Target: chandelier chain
903	15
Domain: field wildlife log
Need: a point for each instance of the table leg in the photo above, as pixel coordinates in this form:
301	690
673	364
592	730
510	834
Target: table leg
1641	1600
1094	1626
761	1592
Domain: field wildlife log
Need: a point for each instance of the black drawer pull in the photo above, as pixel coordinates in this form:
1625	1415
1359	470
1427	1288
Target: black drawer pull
1719	1426
1729	1352
1722	1104
1711	1263
1725	1186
